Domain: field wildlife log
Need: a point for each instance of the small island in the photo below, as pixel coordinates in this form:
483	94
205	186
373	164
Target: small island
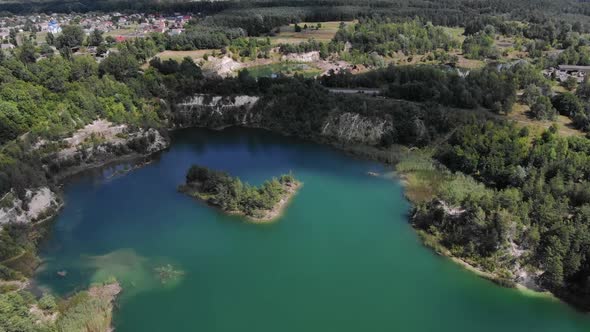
260	204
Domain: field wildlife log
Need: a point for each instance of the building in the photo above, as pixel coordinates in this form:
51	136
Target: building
563	72
53	27
574	69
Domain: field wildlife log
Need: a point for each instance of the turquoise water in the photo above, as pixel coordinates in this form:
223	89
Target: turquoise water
342	258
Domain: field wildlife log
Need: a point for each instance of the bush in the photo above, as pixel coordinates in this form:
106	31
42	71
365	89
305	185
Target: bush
47	302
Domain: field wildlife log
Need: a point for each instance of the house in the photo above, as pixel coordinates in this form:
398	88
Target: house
175	32
563	72
53	27
574	69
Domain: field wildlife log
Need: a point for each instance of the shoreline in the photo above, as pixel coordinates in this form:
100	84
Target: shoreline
279	208
355	150
269	217
441	251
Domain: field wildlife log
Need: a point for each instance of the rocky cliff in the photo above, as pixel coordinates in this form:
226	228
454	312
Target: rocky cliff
94	145
355	128
102	142
251	111
217	112
35	205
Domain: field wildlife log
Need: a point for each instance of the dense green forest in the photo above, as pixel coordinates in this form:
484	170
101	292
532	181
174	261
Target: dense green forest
232	195
534	195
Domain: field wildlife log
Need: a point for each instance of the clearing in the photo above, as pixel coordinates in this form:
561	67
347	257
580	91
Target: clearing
325	33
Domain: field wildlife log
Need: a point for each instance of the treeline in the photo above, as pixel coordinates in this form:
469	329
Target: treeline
536	202
85	6
231	194
488	87
324	49
278	12
198	36
386	38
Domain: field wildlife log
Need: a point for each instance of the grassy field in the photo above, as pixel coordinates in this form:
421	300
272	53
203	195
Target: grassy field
289	36
521	117
285	68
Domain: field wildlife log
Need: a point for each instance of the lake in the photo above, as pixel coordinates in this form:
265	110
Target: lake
343	257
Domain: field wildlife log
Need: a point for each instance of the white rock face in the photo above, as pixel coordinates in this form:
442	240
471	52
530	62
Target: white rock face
102	141
216	111
37	203
302	57
223	67
159	142
219	102
355	128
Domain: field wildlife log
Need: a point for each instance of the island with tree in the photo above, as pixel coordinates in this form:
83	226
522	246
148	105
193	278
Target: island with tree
263	203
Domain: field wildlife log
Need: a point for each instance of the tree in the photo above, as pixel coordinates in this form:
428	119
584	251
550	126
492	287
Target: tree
71	36
12	37
83	67
567	104
531	93
27	52
120	65
50	39
96	38
570	83
542	109
53	73
47	302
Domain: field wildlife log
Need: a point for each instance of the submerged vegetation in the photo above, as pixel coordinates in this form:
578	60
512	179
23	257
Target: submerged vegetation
233	196
167	273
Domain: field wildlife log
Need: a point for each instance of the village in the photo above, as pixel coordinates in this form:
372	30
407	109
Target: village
119	26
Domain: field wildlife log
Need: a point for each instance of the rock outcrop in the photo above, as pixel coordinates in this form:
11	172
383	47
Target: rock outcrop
217	112
37	204
101	142
302	57
247	111
224	67
96	144
355	128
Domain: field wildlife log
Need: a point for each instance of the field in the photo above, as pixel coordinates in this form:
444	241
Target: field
288	35
285	68
179	55
520	116
128	31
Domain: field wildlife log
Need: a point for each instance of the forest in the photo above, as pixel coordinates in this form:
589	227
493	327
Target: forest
527	191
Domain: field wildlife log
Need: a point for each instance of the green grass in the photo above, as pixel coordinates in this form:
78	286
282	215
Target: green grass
289	36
